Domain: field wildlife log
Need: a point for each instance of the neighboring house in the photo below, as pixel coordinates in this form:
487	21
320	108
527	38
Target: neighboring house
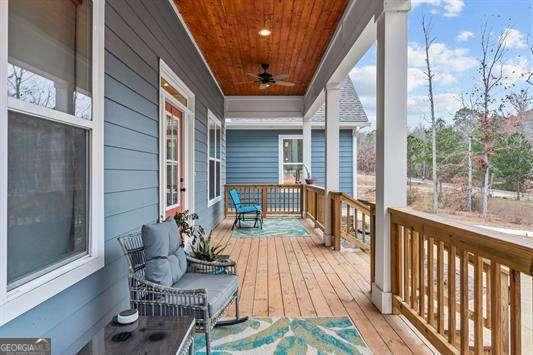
270	150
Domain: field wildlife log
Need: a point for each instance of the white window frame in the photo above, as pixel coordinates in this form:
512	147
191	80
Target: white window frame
30	294
211	118
281	162
188	118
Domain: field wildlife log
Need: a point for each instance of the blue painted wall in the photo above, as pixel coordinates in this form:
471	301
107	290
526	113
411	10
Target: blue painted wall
253	156
137	34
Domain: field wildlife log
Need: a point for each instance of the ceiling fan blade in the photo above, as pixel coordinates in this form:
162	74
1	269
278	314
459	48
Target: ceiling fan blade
284	83
264	86
281	76
253	75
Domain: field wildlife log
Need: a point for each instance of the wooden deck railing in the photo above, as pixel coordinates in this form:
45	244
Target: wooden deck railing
314	204
354	220
274	198
459	285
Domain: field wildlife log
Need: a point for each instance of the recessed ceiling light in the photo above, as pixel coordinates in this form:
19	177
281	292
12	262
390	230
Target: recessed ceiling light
265	32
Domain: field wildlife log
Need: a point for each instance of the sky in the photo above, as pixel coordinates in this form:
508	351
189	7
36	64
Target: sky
456	26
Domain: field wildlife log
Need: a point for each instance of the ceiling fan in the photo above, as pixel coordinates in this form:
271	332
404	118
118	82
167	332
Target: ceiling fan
265	79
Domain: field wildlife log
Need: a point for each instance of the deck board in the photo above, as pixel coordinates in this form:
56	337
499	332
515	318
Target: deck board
296	277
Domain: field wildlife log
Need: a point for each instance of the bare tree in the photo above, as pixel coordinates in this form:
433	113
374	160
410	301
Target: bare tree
493	50
428	41
465	119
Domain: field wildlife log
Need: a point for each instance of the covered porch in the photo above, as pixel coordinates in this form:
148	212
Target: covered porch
298	277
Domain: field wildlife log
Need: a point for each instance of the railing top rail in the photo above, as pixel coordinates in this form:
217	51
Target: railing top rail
263	185
315	188
369	208
515	252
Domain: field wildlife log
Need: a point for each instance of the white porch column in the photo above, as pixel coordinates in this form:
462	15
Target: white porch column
391	137
354	157
307	143
333	93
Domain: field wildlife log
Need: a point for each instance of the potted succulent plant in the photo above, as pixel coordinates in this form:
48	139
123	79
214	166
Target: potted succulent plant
309	180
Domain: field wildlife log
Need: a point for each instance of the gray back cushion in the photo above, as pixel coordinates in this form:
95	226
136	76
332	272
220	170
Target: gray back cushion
165	258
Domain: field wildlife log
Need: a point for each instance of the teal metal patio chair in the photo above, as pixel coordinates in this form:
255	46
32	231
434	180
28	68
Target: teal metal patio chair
241	210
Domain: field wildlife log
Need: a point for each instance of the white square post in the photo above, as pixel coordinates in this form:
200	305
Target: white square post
333	93
391	137
307	144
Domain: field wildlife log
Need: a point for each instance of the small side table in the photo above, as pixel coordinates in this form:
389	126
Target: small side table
151	335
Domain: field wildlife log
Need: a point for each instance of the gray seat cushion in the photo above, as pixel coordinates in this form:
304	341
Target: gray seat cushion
220	288
165	258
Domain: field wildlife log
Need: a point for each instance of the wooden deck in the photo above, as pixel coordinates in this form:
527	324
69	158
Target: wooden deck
299	277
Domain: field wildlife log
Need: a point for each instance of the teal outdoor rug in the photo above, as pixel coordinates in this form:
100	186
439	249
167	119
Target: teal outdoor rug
323	335
272	227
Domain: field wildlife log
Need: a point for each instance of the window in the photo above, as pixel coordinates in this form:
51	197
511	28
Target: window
214	148
291	159
173	160
51	122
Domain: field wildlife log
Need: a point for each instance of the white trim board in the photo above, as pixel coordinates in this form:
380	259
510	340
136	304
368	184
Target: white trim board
263	106
188	136
212	117
286	124
281	138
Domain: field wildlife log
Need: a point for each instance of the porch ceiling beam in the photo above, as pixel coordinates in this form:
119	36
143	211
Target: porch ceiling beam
263	106
391	137
355	33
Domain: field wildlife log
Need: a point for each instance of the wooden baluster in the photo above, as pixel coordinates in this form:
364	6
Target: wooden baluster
225	201
440	288
373	247
363	226
414	268
406	262
431	283
488	291
395	263
302	199
264	201
478	304
348	219
465	316
505	310
336	220
516	313
452	339
401	256
421	281
496	310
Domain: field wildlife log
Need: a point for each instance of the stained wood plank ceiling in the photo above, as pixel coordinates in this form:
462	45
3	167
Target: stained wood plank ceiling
227	32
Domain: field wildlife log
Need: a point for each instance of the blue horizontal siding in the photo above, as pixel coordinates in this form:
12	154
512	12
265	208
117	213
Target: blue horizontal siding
137	35
253	157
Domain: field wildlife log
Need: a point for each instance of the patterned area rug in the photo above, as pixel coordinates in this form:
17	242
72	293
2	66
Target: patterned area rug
325	335
272	227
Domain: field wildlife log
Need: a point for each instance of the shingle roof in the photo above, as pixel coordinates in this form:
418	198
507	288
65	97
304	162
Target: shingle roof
351	109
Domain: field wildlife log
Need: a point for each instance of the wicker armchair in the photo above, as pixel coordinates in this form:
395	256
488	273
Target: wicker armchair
153	299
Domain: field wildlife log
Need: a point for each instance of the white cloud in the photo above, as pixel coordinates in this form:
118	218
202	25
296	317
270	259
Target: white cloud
451	8
442	57
364	79
516	70
445	104
513	38
464	36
